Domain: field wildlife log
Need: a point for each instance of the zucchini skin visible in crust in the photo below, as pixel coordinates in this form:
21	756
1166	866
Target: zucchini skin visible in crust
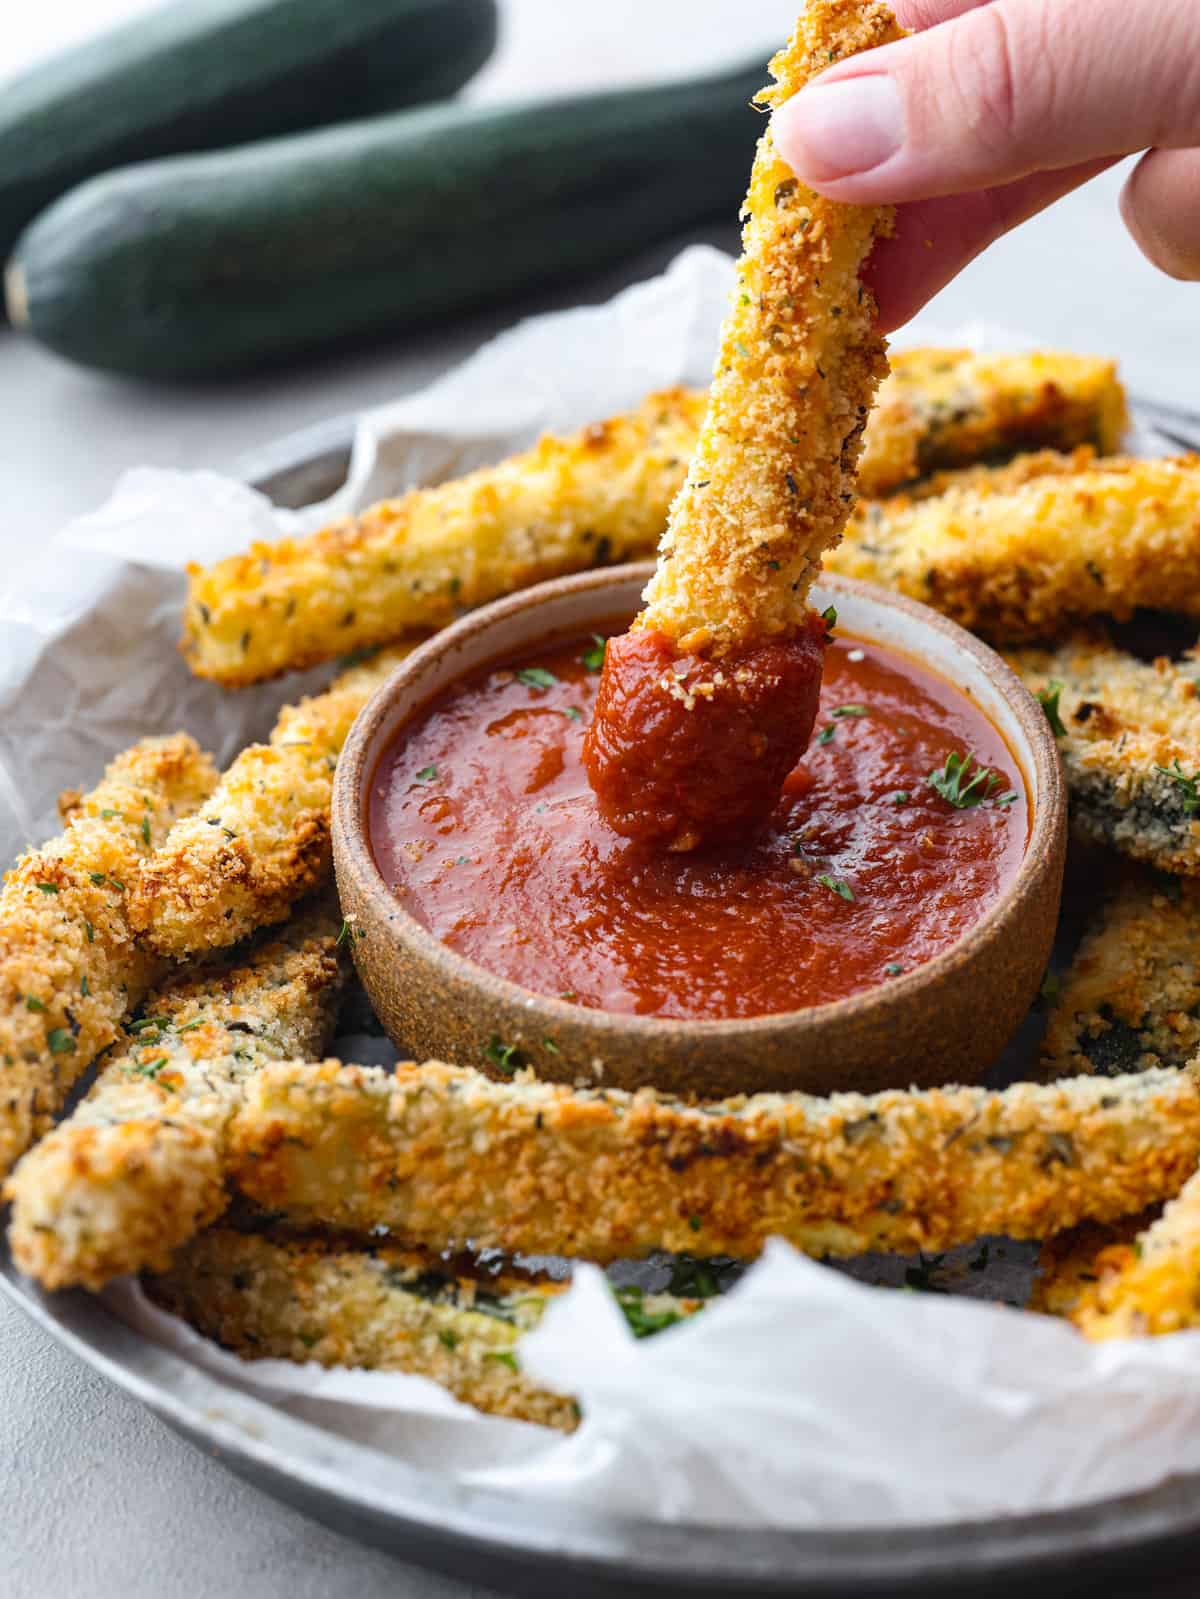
383	1309
1130	748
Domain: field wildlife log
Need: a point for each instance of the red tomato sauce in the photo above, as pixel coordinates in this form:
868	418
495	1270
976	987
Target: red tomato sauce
484	824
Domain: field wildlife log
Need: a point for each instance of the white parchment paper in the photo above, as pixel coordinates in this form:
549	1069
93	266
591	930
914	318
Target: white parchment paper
801	1398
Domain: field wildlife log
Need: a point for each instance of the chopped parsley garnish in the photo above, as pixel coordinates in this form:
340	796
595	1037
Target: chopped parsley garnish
61	1042
98	877
109	815
146	828
956	783
900	797
90	932
507	1057
151	1068
346	930
643	1323
850	710
197	1021
48	888
447	1337
1188	787
835	885
141	1025
426	774
549	1044
893	969
826	735
829	617
536	677
32	1002
1048	699
505	1357
593	660
573	713
83	986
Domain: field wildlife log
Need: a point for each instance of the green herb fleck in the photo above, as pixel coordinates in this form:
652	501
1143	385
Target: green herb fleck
549	1044
32	1002
835	885
427	774
643	1323
507	1057
536	677
146	828
573	713
447	1337
346	931
48	888
90	932
83	986
694	1223
829	617
827	734
144	1022
893	969
1188	787
1048	699
61	1042
900	797
98	878
958	786
851	710
593	660
742	350
108	816
505	1358
197	1021
151	1068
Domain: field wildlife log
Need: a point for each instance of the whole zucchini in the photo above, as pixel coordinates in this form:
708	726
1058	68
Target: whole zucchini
202	73
204	265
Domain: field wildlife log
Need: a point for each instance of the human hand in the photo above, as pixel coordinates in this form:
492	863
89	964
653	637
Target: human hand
993	110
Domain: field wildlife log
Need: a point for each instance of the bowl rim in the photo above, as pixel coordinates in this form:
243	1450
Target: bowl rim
1039	760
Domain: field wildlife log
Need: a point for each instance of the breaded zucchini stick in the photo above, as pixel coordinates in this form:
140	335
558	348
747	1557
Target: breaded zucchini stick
262	840
1072	1263
598	496
383	1309
69	968
940	409
1130	744
706	704
139	1166
1131	998
447	1157
1023	564
1150	1285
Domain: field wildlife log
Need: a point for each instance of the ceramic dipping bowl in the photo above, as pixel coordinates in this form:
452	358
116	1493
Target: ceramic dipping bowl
945	1021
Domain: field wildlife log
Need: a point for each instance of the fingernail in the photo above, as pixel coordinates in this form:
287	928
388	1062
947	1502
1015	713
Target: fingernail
837	129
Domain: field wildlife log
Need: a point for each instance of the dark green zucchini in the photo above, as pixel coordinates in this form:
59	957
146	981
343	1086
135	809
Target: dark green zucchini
205	265
203	73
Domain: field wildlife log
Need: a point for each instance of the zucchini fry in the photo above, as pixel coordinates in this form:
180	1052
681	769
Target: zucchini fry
1072	1263
1022	564
70	970
448	1158
1130	747
139	1165
599	496
261	842
1152	1284
940	409
1131	999
707	703
383	1309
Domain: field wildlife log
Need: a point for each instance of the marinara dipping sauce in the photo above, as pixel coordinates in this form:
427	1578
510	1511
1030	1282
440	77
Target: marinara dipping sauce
883	850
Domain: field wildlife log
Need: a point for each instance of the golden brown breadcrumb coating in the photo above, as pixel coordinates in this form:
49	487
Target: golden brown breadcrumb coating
943	408
1151	1284
773	477
447	1157
383	1309
1025	563
1070	1265
1131	997
597	497
139	1165
70	970
1130	746
262	840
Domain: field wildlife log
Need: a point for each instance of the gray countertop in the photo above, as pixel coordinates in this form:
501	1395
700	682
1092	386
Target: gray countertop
96	1497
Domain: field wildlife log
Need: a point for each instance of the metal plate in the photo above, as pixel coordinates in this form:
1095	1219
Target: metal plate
529	1548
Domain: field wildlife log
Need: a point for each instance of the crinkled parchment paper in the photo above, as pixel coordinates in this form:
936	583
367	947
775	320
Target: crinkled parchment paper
803	1397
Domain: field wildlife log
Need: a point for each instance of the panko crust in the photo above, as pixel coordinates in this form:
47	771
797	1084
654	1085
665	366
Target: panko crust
139	1166
1025	563
773	477
70	969
1131	747
447	1157
262	841
594	498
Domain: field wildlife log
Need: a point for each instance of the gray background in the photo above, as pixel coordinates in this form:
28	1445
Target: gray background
96	1497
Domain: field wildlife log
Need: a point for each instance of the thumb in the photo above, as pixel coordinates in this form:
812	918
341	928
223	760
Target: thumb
1005	90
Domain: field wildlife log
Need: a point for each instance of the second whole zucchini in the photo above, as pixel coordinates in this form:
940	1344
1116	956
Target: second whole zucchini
201	266
199	74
